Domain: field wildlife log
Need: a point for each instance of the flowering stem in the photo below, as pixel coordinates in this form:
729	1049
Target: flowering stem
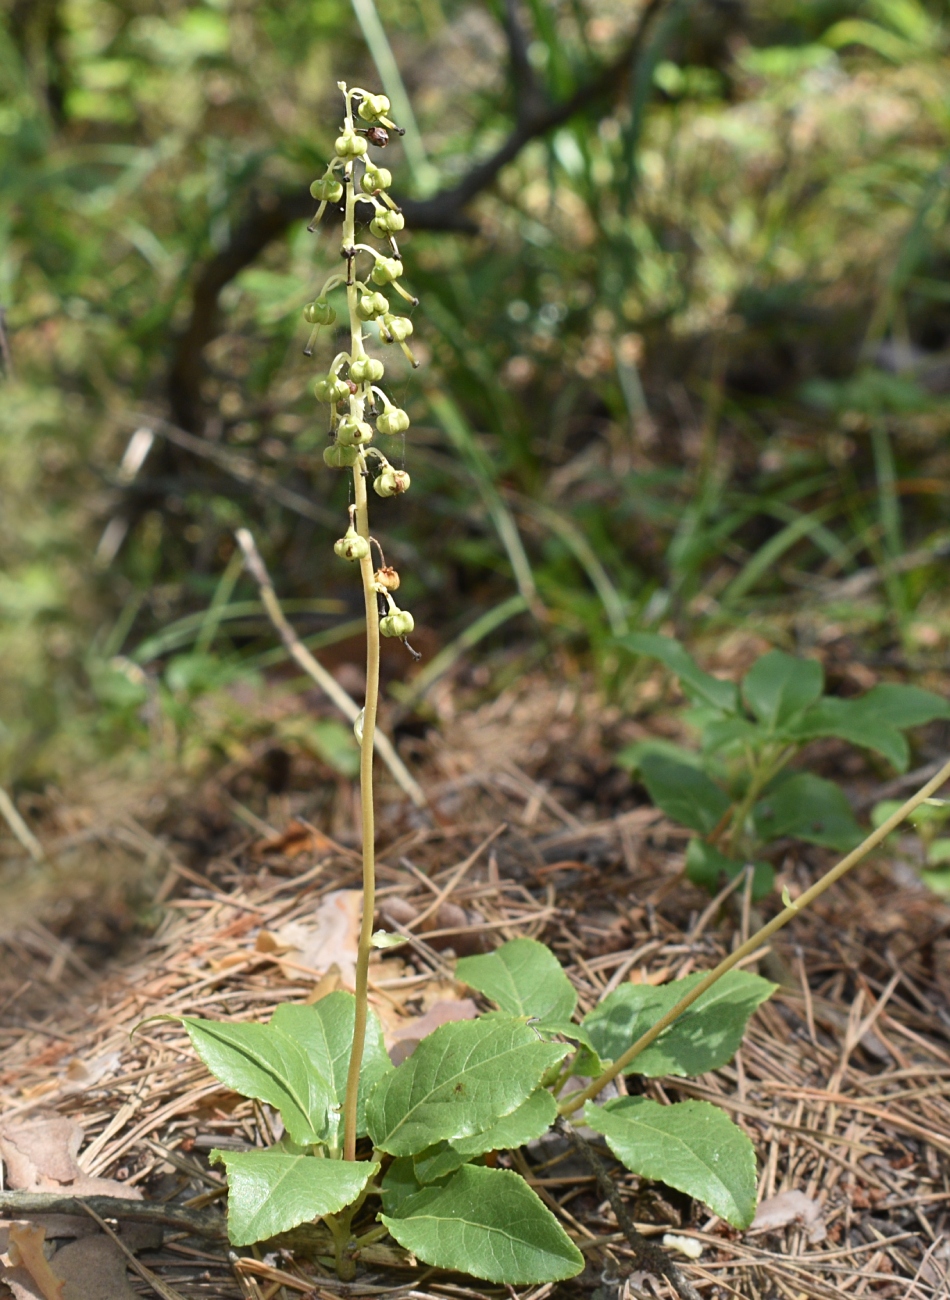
369	708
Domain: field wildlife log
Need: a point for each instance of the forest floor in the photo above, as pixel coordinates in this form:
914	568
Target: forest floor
841	1081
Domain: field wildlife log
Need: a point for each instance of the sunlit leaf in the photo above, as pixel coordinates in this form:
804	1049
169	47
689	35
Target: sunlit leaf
489	1224
691	1146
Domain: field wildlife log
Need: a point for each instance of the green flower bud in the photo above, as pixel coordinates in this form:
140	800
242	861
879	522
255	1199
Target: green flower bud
337	456
367	370
391	483
375	178
319	312
328	189
398	623
393	420
387	223
373	106
350	145
398	327
331	389
386	270
371	305
352	432
351	546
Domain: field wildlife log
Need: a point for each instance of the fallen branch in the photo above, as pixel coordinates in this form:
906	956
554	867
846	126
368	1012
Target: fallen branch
25	1205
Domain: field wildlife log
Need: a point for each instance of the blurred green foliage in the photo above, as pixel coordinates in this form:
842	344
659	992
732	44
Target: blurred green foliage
690	364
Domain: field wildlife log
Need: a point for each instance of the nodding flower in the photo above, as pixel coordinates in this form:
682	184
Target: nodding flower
359	409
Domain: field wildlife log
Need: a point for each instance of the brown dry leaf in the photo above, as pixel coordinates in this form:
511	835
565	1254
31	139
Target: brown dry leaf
298	838
404	1041
83	1074
90	1268
40	1156
25	1255
329	937
789	1207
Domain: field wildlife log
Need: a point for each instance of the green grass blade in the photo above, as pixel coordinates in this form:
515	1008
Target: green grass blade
462	437
424	174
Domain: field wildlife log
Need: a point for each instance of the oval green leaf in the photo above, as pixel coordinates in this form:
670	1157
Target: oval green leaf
459	1081
261	1061
487	1223
704	1037
811	809
324	1031
684	793
270	1193
778	686
695	683
524	978
691	1146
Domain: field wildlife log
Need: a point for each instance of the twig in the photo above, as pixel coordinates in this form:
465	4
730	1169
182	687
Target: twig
325	680
6	356
648	1256
8	810
23	1205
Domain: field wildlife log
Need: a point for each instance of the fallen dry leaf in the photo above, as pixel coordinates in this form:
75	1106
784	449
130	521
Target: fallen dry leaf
83	1074
40	1156
89	1268
789	1207
405	1040
25	1255
298	838
328	937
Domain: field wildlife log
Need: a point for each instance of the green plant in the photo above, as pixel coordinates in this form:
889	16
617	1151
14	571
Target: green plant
439	1124
737	791
429	1140
932	856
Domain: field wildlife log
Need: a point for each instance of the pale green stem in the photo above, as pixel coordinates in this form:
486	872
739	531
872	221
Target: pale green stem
759	780
577	1099
369	709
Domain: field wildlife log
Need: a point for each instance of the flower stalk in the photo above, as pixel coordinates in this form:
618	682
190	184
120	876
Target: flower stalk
353	379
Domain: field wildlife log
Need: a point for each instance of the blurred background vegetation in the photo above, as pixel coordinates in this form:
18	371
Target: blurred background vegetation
684	281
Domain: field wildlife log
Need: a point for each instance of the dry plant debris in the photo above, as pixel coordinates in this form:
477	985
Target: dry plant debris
841	1082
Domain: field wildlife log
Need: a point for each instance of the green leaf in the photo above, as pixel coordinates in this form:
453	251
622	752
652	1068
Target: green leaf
525	979
691	1146
270	1193
532	1118
696	683
850	720
809	808
904	706
731	733
631	756
489	1224
399	1183
778	686
261	1061
706	866
704	1037
324	1032
437	1162
684	793
459	1081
